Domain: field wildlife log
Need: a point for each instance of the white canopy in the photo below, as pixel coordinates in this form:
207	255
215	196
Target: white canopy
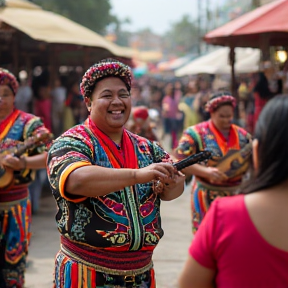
217	62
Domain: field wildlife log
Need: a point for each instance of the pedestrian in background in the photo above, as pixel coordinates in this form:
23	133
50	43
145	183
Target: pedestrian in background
243	240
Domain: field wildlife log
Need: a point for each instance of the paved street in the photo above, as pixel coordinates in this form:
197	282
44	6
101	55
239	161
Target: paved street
169	255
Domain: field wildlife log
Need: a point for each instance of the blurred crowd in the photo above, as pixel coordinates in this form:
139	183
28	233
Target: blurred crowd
162	107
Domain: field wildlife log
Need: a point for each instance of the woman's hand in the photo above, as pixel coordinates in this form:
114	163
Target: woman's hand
214	175
13	162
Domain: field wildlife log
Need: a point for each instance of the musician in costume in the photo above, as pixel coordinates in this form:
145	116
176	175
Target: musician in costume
230	148
16	127
104	180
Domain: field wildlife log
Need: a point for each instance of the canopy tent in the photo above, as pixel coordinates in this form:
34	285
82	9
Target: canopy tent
266	25
261	28
217	62
35	36
174	64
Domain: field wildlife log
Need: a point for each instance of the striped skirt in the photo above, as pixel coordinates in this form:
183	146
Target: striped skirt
15	235
201	199
71	273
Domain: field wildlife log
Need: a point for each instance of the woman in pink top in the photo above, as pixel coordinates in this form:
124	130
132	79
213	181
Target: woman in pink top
169	114
243	240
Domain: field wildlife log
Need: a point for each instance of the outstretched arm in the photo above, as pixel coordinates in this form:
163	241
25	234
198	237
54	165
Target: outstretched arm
93	181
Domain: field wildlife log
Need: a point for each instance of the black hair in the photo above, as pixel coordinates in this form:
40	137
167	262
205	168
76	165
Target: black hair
272	133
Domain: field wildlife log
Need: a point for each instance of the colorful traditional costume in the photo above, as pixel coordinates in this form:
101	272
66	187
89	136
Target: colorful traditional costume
206	136
104	236
106	241
15	210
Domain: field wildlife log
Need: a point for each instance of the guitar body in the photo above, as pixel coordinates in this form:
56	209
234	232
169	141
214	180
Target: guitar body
18	149
6	177
235	163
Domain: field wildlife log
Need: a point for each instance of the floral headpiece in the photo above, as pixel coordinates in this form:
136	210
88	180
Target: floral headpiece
103	69
7	78
218	100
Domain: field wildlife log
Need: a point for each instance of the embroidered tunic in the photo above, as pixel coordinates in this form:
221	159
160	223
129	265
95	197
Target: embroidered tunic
128	219
122	227
206	136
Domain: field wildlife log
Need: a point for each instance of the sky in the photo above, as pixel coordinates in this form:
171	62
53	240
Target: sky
154	14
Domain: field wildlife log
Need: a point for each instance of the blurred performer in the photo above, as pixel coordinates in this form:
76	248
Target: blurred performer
140	123
102	177
15	175
221	176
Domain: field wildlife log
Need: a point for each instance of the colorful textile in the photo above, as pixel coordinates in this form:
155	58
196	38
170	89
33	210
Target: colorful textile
7	123
14	241
71	273
116	157
206	136
15	208
126	220
98	257
236	250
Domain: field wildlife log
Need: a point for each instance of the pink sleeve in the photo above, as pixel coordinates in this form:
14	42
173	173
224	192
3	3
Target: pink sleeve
202	246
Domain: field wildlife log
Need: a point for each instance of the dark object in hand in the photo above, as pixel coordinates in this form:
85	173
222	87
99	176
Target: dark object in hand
193	159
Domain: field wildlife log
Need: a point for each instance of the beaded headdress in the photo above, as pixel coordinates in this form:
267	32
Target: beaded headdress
104	68
7	78
219	99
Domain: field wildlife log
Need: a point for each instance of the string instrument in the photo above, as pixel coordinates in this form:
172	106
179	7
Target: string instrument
7	174
234	164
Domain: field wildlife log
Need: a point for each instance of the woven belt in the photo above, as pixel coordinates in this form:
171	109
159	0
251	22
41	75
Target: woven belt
128	273
16	193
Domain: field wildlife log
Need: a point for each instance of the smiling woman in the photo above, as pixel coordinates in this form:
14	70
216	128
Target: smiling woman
110	108
222	138
102	177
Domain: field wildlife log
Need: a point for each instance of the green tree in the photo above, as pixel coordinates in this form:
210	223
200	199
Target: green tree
122	36
182	38
89	13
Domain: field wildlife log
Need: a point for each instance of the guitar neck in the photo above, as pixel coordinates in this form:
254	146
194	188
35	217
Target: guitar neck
193	159
30	143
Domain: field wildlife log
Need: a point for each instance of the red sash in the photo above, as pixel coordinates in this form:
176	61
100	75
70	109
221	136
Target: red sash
7	123
233	139
119	159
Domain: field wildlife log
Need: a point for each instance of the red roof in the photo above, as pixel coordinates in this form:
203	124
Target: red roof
270	20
